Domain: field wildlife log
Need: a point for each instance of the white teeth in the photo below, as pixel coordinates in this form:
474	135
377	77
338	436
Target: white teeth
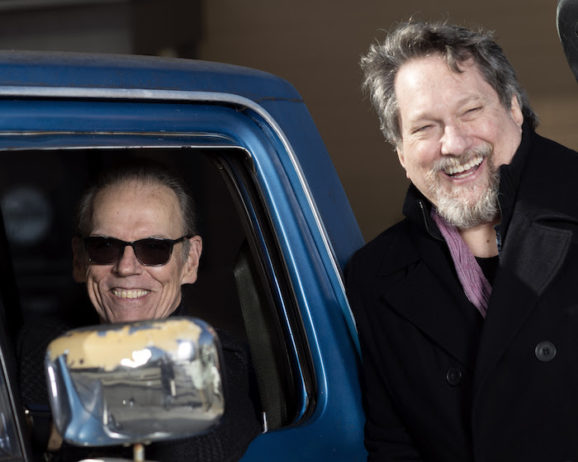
456	169
129	293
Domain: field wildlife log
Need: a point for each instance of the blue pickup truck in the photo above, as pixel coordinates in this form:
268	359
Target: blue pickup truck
276	224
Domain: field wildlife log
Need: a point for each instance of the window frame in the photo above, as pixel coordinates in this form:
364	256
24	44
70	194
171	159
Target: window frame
238	173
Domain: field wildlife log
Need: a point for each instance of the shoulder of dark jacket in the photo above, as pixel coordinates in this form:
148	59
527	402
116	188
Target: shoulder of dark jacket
388	252
539	179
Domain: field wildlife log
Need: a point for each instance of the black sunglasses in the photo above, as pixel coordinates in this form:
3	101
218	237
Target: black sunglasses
149	252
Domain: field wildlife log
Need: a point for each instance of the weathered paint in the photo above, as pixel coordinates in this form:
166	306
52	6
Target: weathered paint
106	348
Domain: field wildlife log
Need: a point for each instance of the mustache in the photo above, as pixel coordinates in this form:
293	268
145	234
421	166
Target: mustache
484	151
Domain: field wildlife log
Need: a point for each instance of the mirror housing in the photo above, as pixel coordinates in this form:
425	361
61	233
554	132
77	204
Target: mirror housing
135	382
567	24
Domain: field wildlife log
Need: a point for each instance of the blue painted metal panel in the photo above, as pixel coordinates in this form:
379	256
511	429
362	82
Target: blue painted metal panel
78	70
320	174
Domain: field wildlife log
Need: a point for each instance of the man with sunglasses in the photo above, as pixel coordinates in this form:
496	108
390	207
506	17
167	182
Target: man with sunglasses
136	245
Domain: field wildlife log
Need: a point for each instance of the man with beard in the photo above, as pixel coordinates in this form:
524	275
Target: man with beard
467	309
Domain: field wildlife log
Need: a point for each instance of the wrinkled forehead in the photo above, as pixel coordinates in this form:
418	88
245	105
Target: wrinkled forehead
134	197
431	77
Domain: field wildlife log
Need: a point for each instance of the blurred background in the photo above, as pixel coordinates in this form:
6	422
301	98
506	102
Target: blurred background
316	45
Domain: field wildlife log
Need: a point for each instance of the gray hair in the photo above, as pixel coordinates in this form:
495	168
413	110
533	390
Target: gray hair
145	172
456	45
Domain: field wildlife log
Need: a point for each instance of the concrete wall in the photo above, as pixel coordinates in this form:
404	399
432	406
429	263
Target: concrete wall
316	44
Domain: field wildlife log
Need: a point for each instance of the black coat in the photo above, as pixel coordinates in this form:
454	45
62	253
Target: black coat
442	384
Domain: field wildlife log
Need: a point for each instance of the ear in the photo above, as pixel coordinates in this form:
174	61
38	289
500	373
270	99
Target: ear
193	257
79	262
516	111
401	157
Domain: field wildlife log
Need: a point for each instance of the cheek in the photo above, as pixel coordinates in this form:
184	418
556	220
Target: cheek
94	275
496	127
486	129
95	282
420	162
508	139
421	153
169	277
94	287
168	294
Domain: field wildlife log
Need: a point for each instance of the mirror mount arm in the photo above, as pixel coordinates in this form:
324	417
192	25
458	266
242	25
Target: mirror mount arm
138	452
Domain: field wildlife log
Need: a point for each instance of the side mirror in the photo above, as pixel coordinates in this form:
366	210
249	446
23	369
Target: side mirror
567	24
135	382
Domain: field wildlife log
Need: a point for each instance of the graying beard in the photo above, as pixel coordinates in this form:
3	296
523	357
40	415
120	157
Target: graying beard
463	215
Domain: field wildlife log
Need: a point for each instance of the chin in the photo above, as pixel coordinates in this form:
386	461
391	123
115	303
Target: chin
128	317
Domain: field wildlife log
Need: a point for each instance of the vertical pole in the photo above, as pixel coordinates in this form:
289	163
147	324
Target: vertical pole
138	452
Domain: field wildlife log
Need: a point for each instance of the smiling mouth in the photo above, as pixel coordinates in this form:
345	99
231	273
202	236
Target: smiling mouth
129	293
457	170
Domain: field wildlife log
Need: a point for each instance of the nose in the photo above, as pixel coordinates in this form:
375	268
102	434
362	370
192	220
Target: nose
127	264
454	141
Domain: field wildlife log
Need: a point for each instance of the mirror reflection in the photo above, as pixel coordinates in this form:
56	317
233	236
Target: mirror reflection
135	382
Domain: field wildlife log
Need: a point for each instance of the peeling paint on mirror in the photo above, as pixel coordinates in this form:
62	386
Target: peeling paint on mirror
135	382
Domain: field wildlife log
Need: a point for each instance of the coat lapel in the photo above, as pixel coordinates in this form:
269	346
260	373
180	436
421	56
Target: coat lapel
530	260
427	294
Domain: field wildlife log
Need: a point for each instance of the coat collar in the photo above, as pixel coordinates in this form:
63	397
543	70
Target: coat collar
417	209
418	282
510	178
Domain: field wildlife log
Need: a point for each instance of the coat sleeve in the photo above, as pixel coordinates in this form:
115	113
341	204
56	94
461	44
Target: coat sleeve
386	436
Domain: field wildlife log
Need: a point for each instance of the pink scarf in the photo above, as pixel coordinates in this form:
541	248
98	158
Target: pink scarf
475	285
